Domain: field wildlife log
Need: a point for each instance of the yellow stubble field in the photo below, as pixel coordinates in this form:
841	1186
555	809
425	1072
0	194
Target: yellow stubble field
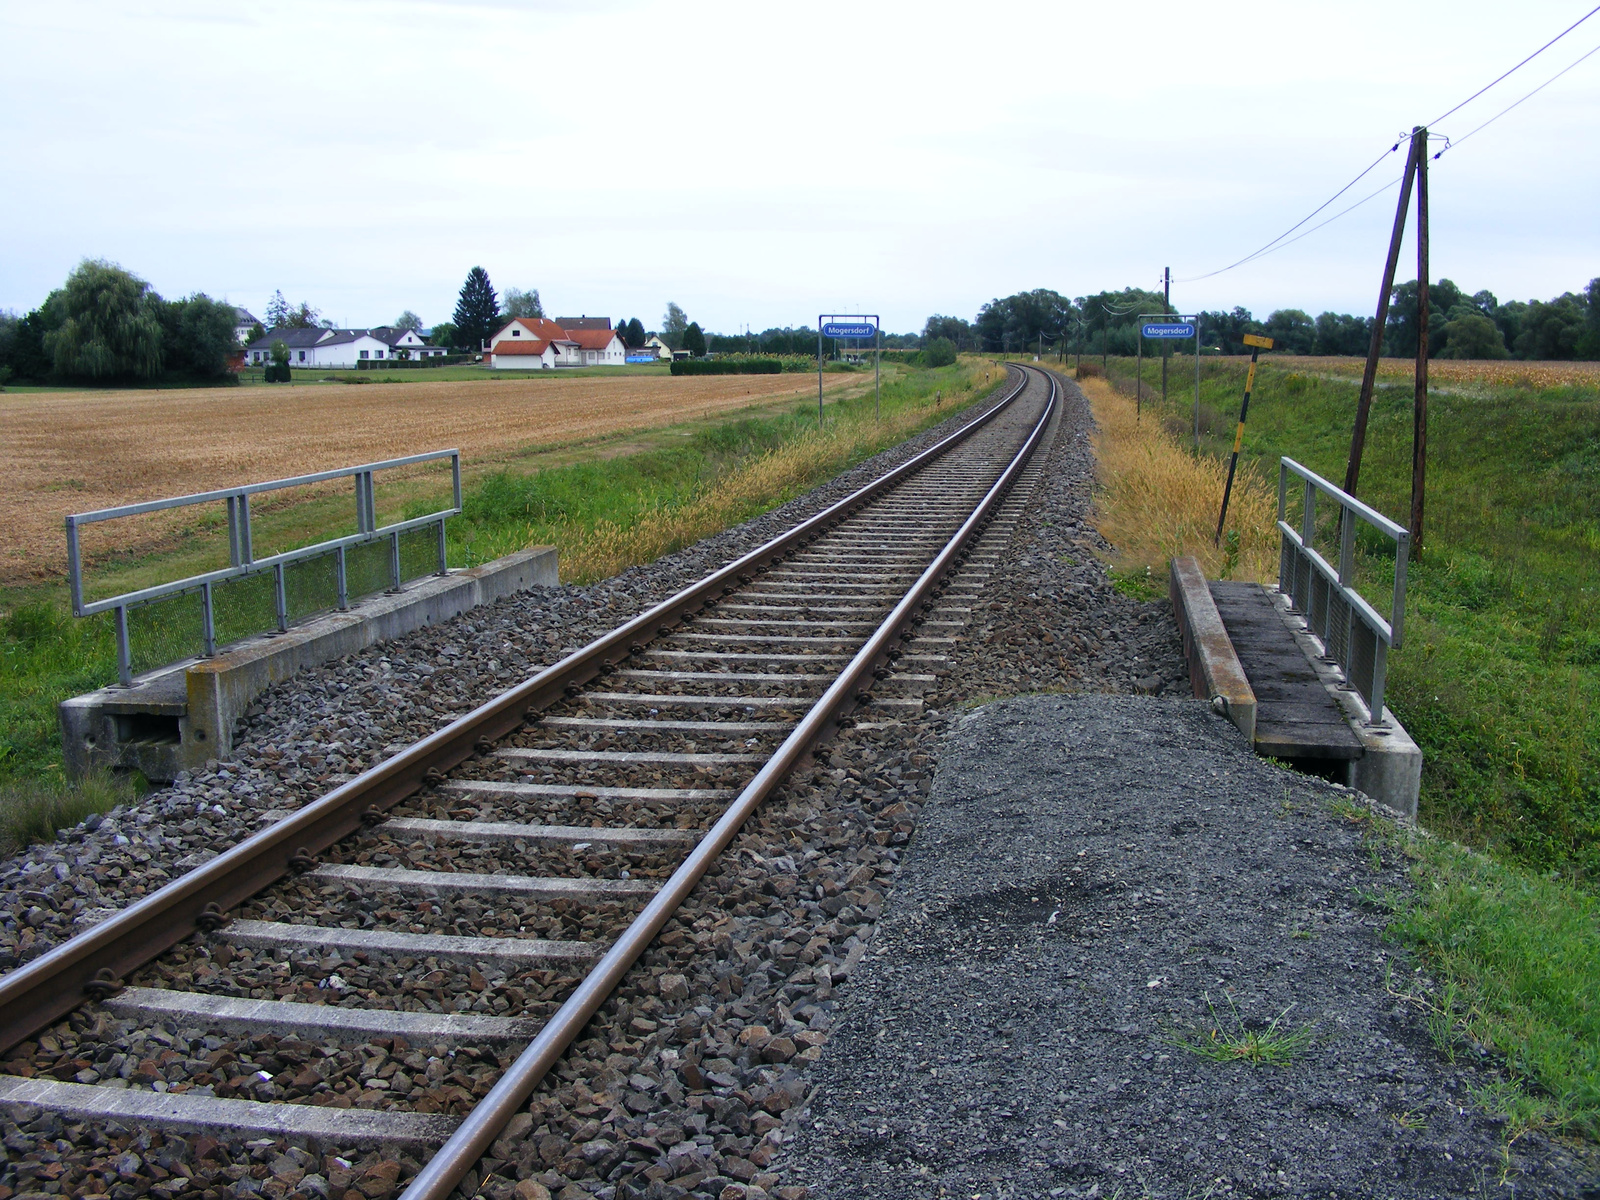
67	452
1445	372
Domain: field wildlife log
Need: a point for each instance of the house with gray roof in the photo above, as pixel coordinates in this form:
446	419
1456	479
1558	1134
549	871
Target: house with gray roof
340	348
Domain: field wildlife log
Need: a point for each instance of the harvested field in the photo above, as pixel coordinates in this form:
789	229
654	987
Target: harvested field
75	451
1451	372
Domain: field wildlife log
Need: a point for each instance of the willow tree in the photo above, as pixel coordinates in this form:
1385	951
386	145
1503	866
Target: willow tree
112	325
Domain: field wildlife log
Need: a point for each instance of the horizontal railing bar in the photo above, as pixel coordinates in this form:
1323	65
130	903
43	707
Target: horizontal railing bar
260	565
250	489
1366	512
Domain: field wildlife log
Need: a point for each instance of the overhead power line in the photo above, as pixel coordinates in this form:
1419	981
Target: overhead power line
1516	68
1254	254
1280	241
1454	142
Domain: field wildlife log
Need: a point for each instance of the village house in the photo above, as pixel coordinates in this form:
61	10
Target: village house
340	348
538	343
244	324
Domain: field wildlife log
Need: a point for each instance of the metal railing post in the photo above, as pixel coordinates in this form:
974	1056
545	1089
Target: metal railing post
444	562
75	568
208	621
455	479
124	650
234	559
1347	546
341	580
247	552
280	597
1380	672
394	562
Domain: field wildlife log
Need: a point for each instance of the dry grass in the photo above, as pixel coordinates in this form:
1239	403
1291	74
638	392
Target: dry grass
1446	372
1156	500
74	451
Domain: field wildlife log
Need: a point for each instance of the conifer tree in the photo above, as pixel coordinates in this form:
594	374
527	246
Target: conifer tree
477	311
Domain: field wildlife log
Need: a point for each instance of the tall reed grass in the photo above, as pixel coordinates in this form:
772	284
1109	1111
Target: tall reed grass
1155	500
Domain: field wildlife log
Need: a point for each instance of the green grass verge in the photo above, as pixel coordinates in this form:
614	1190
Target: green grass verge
1516	957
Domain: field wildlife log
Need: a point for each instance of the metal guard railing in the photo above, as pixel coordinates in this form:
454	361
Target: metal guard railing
1352	632
242	561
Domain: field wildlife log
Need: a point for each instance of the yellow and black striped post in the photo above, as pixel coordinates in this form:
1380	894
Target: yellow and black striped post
1257	344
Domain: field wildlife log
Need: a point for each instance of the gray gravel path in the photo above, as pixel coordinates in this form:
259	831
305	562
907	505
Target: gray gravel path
1094	879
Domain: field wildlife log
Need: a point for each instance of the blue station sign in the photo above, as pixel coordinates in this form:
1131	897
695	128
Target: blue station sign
1169	329
838	329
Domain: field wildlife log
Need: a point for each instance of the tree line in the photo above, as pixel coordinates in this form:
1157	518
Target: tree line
1460	325
106	325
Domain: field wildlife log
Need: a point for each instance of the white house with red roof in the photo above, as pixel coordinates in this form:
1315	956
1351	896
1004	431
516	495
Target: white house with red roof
537	343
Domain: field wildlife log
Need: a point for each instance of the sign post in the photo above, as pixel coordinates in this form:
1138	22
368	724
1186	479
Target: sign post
850	325
1257	344
1172	327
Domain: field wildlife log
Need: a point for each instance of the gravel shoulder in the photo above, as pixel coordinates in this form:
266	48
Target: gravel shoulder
1097	883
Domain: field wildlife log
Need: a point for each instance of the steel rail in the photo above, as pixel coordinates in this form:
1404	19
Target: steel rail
477	1132
34	996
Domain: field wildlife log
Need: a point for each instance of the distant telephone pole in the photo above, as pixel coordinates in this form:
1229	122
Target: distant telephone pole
1166	307
1419	409
1358	437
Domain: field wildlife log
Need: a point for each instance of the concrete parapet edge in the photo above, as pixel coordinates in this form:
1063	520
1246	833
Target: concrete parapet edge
1214	668
197	702
1390	769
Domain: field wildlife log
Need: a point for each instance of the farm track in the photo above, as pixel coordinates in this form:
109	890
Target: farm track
429	918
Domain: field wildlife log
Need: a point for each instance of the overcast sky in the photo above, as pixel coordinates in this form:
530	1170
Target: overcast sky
761	163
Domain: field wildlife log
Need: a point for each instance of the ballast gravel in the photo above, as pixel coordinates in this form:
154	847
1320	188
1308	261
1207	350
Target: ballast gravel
1104	894
723	1065
329	723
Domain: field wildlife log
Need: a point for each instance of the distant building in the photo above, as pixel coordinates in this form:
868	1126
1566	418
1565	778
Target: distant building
585	324
536	343
346	348
656	347
244	324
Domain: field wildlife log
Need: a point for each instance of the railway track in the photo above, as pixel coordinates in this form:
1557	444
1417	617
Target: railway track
468	905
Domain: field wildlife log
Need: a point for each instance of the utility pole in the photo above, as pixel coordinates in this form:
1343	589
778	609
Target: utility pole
1419	409
1358	437
1166	309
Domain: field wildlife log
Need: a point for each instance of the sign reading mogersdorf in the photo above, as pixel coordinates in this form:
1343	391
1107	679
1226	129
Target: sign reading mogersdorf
838	329
1168	329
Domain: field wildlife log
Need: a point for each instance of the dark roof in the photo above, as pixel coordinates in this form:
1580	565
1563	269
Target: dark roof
304	339
574	324
295	339
243	316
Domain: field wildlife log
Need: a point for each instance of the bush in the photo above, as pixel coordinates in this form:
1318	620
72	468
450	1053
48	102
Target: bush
727	366
1089	370
276	373
940	352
